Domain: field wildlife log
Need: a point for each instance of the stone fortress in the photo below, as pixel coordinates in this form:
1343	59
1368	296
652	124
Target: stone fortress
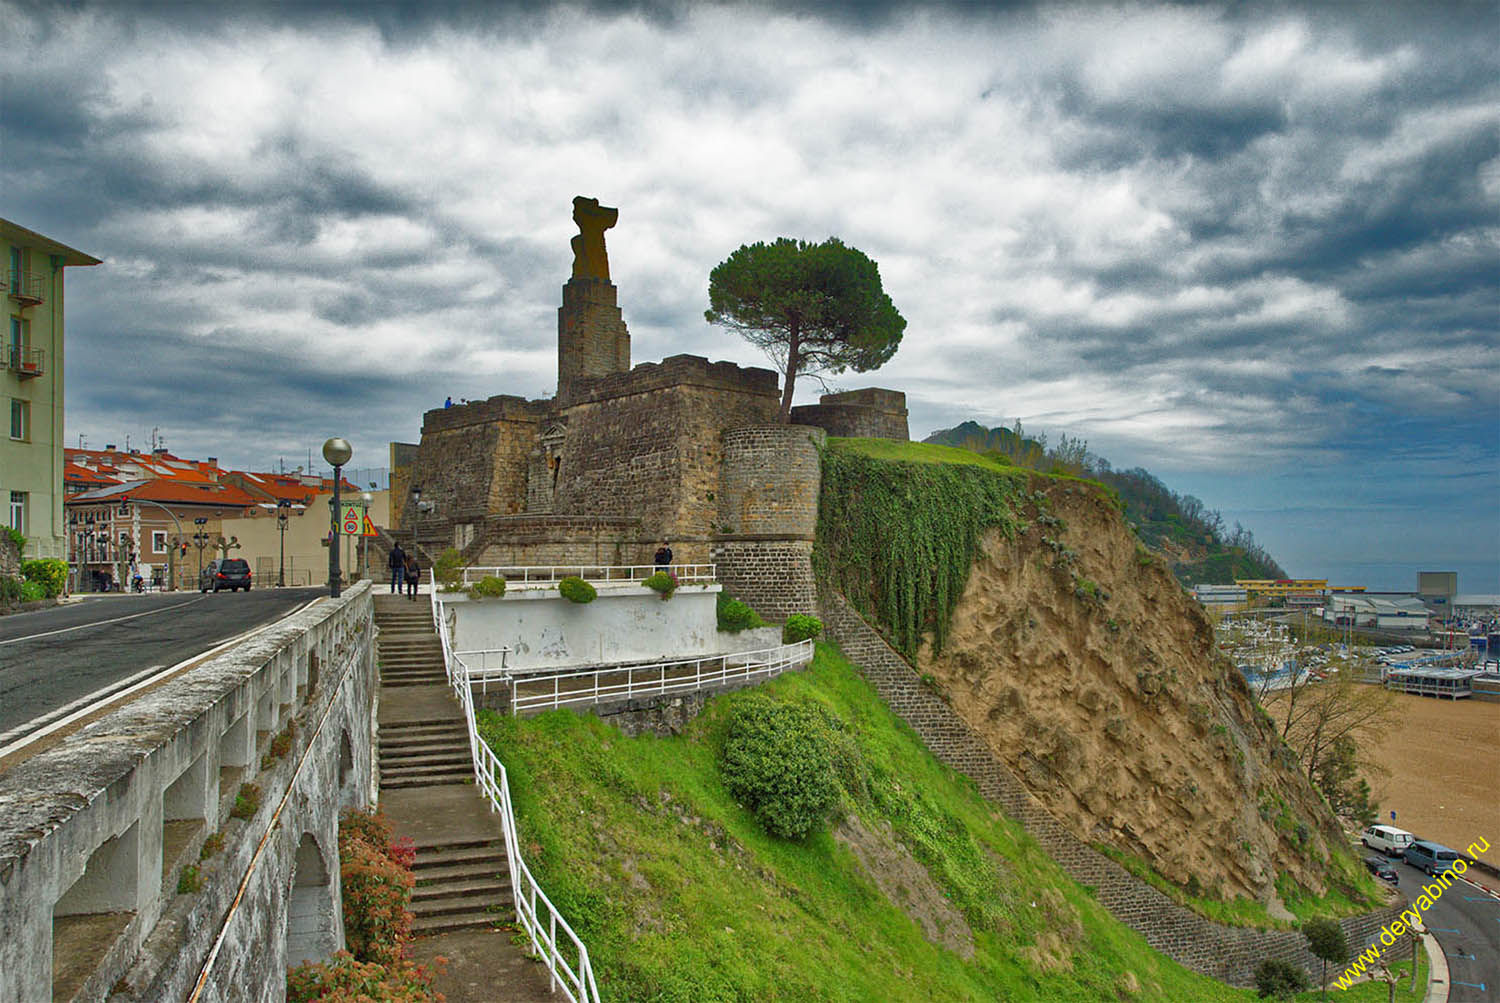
685	451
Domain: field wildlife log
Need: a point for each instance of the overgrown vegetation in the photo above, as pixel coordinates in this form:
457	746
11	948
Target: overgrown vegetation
189	880
376	878
246	802
663	583
50	573
448	570
1280	979
899	526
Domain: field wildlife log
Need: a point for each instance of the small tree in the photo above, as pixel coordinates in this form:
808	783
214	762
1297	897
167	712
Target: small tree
810	307
1325	938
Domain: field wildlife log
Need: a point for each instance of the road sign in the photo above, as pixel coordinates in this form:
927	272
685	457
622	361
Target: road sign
369	528
351	519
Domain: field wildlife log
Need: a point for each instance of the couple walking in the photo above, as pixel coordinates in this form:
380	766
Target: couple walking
404	569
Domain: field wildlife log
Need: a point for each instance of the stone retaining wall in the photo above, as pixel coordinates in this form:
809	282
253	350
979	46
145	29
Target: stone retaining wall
1229	954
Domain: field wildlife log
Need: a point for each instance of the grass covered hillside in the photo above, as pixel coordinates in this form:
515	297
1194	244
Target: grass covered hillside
918	891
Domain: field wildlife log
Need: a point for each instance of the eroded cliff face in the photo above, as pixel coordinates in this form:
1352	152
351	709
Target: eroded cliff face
1090	671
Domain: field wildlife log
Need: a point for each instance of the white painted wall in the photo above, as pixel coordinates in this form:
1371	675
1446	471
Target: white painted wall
626	623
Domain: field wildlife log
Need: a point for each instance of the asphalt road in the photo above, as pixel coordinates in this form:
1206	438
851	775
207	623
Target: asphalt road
52	657
1466	923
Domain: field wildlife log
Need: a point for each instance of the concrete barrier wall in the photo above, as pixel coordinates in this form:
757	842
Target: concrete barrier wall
96	832
626	623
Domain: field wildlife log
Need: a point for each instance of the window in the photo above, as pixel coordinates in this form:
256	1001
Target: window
16	261
20	420
18	511
158	541
17	341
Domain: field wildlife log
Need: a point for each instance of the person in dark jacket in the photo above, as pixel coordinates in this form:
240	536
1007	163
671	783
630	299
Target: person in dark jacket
398	569
663	556
413	576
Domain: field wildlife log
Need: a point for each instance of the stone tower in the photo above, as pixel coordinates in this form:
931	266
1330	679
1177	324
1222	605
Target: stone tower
591	337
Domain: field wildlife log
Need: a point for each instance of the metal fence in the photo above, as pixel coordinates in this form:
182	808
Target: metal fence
532	693
566	957
687	574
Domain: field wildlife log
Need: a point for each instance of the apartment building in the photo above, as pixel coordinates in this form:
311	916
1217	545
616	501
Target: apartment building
31	386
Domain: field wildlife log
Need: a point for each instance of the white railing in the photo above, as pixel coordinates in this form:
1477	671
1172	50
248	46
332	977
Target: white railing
687	574
536	912
623	682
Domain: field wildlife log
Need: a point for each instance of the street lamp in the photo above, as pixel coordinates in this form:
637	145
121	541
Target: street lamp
364	541
200	540
283	508
337	452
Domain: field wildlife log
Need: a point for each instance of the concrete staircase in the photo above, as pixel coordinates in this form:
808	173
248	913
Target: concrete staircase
461	885
410	652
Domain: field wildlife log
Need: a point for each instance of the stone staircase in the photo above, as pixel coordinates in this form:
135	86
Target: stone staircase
461	871
461	885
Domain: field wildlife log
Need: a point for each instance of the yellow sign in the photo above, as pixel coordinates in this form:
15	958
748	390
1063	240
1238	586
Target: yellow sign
369	528
351	520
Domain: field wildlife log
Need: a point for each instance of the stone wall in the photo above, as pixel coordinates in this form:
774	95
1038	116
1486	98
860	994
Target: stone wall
95	830
773	575
1229	954
871	413
10	557
544	540
769	481
647	444
473	457
592	339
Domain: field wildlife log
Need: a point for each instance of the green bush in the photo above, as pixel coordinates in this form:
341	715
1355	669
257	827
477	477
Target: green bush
10	590
1280	979
735	616
448	570
32	591
777	761
189	880
577	590
488	587
18	538
347	980
662	582
800	628
50	573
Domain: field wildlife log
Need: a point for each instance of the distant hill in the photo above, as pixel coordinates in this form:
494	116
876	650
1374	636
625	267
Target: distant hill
1199	548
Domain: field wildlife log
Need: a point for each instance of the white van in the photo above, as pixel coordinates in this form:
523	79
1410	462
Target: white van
1387	839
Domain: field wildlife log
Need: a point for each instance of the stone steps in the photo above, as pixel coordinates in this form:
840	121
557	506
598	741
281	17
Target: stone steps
460	885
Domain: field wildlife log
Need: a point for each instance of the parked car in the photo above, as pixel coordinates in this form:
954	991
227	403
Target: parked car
231	573
1387	839
1382	869
1431	858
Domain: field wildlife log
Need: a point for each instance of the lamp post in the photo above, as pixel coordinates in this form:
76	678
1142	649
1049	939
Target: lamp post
337	452
364	541
283	508
200	540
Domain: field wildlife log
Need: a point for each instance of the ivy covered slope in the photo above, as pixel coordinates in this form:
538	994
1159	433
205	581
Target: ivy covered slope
1025	599
920	892
1197	545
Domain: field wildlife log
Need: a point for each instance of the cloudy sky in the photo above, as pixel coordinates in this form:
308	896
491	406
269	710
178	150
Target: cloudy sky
1250	247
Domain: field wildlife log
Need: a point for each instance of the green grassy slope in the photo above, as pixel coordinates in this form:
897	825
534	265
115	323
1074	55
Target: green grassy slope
681	896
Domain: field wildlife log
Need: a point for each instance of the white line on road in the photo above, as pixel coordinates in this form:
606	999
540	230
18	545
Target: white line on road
100	623
120	688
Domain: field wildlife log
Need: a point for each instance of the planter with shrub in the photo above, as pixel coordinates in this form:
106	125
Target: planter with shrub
663	583
489	587
575	589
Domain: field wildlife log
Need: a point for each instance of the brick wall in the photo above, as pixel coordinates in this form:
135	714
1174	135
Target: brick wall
472	459
1229	954
591	337
872	413
773	575
769	480
653	453
555	539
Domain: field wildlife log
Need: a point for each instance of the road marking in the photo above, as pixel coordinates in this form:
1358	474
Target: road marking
1443	929
115	691
101	623
1471	985
1480	898
58	712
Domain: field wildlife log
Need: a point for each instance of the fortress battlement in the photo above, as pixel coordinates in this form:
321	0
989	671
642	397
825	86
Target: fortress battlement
674	371
501	407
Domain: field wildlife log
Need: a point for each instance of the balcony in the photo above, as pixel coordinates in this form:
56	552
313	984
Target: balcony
24	362
26	288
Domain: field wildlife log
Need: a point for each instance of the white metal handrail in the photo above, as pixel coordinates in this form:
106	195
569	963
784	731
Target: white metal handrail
687	574
595	685
535	911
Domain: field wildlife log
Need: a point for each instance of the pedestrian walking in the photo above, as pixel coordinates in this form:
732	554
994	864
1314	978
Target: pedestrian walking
413	576
398	568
